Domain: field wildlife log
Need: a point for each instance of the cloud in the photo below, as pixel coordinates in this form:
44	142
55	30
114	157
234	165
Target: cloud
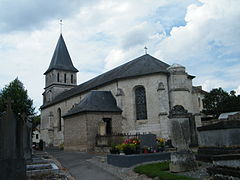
201	35
29	15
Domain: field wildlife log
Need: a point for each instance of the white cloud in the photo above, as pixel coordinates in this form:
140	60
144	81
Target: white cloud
238	90
107	33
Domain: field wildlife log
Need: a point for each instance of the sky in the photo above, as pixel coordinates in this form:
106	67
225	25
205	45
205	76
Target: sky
202	35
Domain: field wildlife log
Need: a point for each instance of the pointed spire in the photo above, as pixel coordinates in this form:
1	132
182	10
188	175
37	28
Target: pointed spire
61	59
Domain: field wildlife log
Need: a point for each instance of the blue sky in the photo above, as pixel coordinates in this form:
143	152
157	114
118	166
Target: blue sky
201	35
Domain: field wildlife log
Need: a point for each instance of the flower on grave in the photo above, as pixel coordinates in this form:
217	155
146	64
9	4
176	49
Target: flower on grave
160	141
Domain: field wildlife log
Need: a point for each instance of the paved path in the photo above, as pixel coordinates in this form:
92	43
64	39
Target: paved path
79	167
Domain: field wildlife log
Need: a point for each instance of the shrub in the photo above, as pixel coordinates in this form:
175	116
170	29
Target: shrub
114	150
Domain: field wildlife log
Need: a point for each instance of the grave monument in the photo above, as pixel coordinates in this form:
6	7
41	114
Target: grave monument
183	159
12	162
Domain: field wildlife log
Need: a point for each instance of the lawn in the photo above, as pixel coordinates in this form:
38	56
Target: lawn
160	170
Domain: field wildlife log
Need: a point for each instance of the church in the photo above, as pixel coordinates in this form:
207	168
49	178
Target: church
135	97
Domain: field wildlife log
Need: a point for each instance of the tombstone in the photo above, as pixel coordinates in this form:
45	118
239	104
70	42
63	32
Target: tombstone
148	140
219	144
183	159
27	137
12	162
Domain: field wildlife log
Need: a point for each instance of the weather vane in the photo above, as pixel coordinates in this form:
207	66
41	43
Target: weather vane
145	48
60	26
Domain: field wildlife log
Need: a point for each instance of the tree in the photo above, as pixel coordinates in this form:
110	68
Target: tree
36	121
218	101
21	102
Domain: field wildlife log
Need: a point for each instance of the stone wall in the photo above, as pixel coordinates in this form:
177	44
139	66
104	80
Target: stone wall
222	134
81	130
75	135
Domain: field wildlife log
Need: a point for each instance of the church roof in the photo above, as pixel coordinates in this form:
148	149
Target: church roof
143	65
61	59
95	101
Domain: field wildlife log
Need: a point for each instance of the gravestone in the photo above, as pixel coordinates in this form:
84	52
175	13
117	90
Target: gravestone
148	140
27	137
219	143
12	162
183	159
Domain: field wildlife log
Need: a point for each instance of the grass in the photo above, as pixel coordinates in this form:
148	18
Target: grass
159	170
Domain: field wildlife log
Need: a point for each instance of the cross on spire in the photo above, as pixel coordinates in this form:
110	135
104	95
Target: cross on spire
60	26
145	48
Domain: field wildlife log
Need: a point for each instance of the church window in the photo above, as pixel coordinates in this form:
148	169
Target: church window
57	77
59	120
72	79
140	100
65	78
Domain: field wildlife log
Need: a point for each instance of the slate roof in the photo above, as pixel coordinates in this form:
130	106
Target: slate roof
61	59
95	101
143	65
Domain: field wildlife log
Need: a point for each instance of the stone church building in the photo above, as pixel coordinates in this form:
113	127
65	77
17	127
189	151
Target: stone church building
135	97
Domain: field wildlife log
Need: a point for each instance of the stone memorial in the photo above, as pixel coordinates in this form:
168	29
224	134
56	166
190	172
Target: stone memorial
219	144
12	162
183	159
27	137
148	140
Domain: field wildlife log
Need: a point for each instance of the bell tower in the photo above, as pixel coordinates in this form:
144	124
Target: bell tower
61	75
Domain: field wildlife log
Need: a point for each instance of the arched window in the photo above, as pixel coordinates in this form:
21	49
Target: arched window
58	77
59	120
72	79
140	100
65	78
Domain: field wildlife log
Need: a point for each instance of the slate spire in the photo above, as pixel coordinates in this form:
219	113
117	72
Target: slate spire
61	59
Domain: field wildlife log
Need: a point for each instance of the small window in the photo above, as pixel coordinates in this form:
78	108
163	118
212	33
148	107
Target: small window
65	78
58	77
140	100
59	120
36	136
72	79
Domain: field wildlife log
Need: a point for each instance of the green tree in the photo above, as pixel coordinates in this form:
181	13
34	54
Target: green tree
218	101
36	121
21	102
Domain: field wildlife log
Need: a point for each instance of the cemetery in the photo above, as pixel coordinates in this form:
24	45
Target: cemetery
17	160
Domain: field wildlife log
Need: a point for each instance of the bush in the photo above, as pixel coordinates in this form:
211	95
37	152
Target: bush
114	150
129	149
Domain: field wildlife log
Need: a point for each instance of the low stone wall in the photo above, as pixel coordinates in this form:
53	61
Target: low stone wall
133	159
222	134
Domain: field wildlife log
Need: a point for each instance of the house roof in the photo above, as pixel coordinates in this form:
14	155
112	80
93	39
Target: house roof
95	101
143	65
61	59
